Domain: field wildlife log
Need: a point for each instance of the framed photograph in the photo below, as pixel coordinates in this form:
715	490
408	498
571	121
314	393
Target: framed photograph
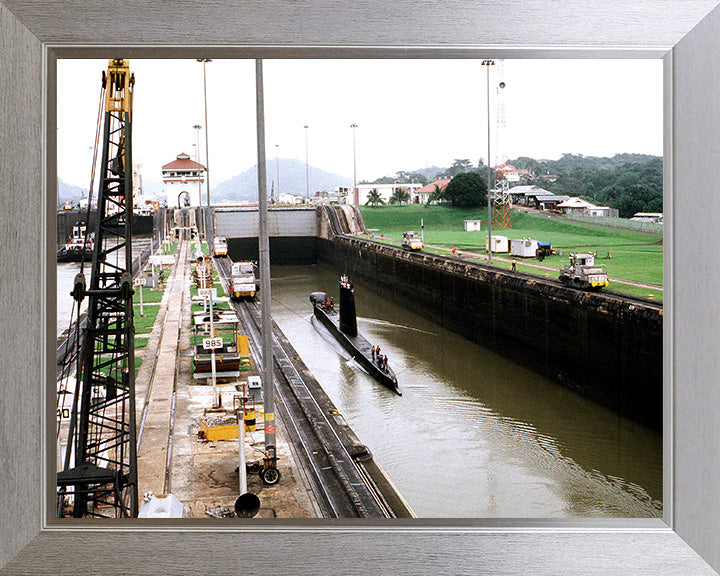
682	34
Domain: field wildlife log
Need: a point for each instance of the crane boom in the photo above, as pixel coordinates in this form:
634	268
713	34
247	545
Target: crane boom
99	475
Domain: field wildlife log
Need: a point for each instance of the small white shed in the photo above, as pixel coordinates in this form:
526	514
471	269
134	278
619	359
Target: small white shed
499	243
523	247
472	225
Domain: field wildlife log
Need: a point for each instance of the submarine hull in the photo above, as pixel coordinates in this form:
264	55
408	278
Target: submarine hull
357	346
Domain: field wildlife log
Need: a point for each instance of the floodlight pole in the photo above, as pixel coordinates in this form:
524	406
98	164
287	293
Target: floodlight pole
264	252
489	63
207	155
307	166
353	126
277	172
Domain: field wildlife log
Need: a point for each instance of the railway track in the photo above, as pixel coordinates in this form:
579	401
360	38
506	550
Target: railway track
343	476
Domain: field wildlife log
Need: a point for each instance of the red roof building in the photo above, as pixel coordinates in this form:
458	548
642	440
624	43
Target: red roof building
184	163
421	195
428	188
183	179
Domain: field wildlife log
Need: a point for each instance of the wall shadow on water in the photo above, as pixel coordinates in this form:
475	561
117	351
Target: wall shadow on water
607	350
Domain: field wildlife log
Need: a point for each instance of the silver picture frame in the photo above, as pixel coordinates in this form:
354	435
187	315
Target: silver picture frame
684	33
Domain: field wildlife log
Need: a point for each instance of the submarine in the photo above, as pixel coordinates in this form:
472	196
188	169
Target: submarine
343	326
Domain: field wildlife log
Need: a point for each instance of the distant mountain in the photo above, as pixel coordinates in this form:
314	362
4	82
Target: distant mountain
69	192
152	186
430	173
243	187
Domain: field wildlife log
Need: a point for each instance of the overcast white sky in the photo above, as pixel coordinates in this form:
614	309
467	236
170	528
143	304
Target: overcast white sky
410	113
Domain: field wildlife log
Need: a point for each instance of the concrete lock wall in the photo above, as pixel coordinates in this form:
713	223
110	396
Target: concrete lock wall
606	349
282	222
293	233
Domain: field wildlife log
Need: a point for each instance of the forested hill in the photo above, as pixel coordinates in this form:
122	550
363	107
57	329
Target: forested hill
629	182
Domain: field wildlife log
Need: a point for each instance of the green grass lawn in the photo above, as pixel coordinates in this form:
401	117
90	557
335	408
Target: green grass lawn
634	256
144	324
106	369
140	342
148	295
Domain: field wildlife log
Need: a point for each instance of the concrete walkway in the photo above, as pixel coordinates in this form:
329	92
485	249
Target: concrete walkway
202	474
153	452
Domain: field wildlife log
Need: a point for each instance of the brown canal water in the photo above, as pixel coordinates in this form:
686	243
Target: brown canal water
473	435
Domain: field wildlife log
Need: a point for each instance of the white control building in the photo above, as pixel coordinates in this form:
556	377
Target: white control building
183	179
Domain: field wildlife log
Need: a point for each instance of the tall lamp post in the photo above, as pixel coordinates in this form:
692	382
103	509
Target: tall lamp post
353	126
307	169
197	128
277	171
489	63
207	155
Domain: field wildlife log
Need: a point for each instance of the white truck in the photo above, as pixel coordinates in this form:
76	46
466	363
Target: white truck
243	283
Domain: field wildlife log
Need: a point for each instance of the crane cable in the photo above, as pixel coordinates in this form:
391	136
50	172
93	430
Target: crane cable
76	313
98	127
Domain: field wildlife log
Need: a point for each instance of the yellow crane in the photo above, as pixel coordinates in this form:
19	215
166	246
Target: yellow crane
99	473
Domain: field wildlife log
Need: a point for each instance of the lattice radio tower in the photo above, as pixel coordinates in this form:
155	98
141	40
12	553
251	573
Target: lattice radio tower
99	474
501	201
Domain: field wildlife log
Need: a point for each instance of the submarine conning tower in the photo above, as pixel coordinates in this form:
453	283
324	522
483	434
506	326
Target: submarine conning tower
348	319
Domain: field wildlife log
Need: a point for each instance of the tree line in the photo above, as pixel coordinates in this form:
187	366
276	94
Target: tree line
630	183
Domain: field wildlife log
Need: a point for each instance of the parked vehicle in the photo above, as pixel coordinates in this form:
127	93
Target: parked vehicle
231	347
544	249
220	246
582	272
411	241
243	282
